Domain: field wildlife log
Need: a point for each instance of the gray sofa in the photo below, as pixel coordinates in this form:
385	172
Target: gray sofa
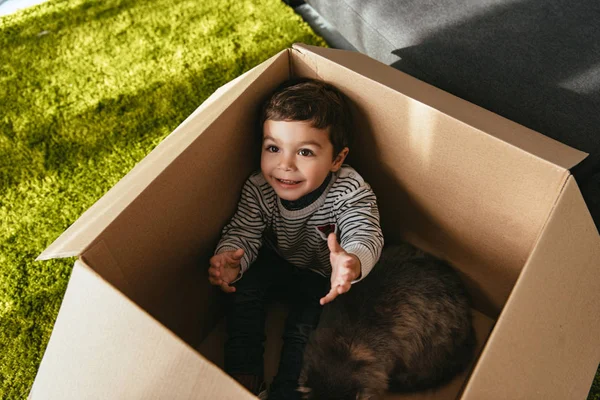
536	62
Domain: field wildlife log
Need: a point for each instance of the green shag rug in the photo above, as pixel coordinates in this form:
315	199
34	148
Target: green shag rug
87	89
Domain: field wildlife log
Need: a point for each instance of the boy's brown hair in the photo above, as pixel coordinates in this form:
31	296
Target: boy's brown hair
306	99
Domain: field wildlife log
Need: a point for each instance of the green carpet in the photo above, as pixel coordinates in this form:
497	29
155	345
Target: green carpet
87	89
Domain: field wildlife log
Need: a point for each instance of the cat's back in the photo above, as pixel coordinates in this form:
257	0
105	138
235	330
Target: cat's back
405	281
404	271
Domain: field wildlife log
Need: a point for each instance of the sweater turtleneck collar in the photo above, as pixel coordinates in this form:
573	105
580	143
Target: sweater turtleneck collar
307	199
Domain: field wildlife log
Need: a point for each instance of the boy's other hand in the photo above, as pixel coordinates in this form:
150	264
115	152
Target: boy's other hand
345	268
224	268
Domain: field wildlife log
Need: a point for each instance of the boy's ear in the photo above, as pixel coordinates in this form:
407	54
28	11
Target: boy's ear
339	159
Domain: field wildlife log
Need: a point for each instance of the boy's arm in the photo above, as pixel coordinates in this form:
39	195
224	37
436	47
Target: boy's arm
245	230
358	224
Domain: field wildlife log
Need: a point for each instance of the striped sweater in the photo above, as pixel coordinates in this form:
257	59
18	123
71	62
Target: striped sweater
347	207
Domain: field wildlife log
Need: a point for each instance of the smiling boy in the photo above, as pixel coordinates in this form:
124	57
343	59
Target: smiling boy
307	226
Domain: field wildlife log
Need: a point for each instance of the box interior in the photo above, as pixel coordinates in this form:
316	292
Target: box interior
442	184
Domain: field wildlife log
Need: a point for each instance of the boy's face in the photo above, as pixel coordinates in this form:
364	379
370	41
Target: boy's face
296	157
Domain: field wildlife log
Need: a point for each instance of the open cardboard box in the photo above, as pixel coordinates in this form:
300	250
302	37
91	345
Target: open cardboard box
139	319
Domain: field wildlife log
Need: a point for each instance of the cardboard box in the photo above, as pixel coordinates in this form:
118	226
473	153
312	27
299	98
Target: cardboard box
139	319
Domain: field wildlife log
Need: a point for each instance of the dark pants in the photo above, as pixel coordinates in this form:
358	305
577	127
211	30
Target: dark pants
270	277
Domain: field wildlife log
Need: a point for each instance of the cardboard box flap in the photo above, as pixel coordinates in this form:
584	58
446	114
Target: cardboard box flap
487	122
94	221
105	347
549	330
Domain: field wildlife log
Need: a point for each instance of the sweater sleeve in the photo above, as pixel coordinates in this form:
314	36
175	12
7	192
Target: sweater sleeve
359	228
245	230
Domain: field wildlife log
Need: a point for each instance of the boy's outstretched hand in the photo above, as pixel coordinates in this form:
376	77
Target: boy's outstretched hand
224	268
345	268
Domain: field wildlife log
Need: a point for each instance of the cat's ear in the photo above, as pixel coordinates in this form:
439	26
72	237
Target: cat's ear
362	353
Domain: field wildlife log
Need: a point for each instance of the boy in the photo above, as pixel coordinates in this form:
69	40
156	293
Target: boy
284	235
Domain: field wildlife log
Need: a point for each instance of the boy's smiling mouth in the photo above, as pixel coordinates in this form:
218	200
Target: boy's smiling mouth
287	182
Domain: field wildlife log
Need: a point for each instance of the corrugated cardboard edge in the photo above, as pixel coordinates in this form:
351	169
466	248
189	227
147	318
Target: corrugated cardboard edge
104	358
485	121
554	346
94	221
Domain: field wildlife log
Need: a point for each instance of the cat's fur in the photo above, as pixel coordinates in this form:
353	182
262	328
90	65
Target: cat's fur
407	326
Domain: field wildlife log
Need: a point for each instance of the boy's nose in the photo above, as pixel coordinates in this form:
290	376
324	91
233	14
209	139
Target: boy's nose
286	163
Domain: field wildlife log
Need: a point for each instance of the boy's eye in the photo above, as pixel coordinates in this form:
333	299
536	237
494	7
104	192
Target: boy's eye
272	149
305	152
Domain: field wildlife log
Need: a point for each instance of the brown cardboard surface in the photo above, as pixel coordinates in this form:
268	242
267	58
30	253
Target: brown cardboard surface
546	343
442	184
485	121
212	349
483	193
105	347
185	302
98	217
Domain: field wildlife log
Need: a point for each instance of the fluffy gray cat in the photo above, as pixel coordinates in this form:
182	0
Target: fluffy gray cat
406	327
